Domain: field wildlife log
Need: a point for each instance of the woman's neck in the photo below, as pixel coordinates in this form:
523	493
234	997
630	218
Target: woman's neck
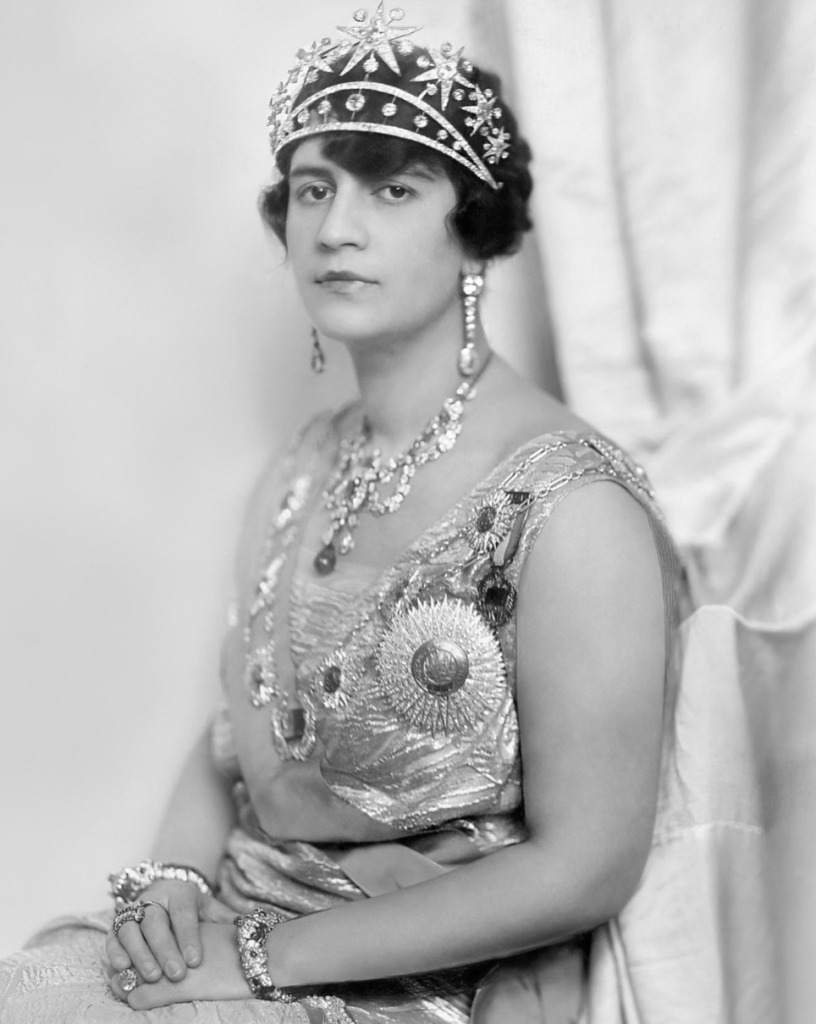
403	387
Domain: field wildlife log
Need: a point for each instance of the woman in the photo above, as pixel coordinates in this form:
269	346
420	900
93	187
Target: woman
407	635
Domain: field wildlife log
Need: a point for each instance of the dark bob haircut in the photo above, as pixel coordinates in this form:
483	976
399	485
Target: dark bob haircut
487	222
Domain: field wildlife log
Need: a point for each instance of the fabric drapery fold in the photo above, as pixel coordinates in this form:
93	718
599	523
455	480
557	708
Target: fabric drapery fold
675	214
675	205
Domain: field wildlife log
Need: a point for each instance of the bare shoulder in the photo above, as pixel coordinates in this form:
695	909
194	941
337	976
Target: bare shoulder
600	517
596	562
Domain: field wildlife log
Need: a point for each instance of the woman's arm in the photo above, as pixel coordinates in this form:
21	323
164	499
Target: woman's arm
199	815
590	700
193	833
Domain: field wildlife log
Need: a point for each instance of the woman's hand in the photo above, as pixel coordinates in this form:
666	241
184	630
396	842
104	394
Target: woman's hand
168	940
219	975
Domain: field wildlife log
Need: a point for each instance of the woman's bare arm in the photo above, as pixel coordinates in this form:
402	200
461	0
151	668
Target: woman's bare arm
193	833
199	815
590	698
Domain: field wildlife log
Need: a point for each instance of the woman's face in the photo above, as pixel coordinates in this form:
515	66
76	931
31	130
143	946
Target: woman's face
373	260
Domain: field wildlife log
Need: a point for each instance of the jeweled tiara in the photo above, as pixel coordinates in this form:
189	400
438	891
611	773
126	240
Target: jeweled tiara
442	106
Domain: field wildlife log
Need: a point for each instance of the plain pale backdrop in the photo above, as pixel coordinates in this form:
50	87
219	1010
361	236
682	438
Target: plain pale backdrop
152	355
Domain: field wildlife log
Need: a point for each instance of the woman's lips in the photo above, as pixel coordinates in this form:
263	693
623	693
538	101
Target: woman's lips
343	282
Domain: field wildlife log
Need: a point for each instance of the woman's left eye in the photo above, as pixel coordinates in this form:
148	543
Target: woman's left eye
394	192
314	193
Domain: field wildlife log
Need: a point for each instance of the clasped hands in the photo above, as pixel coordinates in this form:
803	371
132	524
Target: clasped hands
184	949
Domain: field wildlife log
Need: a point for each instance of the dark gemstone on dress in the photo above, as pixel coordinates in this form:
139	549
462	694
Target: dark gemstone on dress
293	723
486	519
497	597
332	678
325	560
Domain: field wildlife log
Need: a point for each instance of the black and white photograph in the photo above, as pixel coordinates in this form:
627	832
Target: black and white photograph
408	512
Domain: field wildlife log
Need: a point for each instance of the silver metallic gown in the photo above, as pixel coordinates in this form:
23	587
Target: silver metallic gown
407	687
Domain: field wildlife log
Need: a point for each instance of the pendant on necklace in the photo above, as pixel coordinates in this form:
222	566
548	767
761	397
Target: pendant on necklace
326	560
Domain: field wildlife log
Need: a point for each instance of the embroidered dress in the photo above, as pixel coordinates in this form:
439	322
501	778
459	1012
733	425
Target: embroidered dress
405	685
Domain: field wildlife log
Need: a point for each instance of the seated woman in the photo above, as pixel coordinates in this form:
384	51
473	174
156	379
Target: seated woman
445	678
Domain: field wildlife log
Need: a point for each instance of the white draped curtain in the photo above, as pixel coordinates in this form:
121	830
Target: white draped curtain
675	207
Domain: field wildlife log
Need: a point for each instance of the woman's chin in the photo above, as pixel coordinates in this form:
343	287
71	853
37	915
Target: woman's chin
354	336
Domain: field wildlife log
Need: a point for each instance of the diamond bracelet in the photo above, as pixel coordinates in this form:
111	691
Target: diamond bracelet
130	883
251	931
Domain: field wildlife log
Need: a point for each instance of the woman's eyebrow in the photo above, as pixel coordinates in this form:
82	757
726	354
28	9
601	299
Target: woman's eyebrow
421	171
311	171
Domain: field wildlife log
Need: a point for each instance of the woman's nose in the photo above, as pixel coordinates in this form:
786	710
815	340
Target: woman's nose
344	223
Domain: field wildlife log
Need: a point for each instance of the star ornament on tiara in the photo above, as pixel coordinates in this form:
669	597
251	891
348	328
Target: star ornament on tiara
445	71
377	38
315	57
497	145
483	109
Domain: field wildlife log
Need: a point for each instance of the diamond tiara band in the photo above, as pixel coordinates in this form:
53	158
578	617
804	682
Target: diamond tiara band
442	106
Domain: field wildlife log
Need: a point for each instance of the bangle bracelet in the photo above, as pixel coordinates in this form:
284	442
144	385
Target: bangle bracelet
130	883
251	931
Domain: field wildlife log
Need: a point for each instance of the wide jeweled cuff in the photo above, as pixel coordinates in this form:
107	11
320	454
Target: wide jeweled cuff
130	883
251	931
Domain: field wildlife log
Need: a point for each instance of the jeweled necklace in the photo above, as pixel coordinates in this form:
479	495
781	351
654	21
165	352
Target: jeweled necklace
355	485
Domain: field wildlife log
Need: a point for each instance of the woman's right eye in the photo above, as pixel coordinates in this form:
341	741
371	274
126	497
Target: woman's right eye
314	193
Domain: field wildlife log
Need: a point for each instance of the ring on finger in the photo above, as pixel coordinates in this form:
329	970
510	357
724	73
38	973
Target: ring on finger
128	979
132	912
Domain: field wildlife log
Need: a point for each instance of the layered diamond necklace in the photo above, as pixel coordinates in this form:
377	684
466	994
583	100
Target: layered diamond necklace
358	483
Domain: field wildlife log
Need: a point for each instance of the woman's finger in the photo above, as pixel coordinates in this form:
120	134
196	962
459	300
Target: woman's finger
184	917
117	954
158	934
131	938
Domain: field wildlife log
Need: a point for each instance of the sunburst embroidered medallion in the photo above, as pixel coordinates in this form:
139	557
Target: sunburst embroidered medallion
493	519
441	667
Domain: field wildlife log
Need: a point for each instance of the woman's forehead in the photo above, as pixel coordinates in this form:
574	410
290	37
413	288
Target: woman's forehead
312	153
